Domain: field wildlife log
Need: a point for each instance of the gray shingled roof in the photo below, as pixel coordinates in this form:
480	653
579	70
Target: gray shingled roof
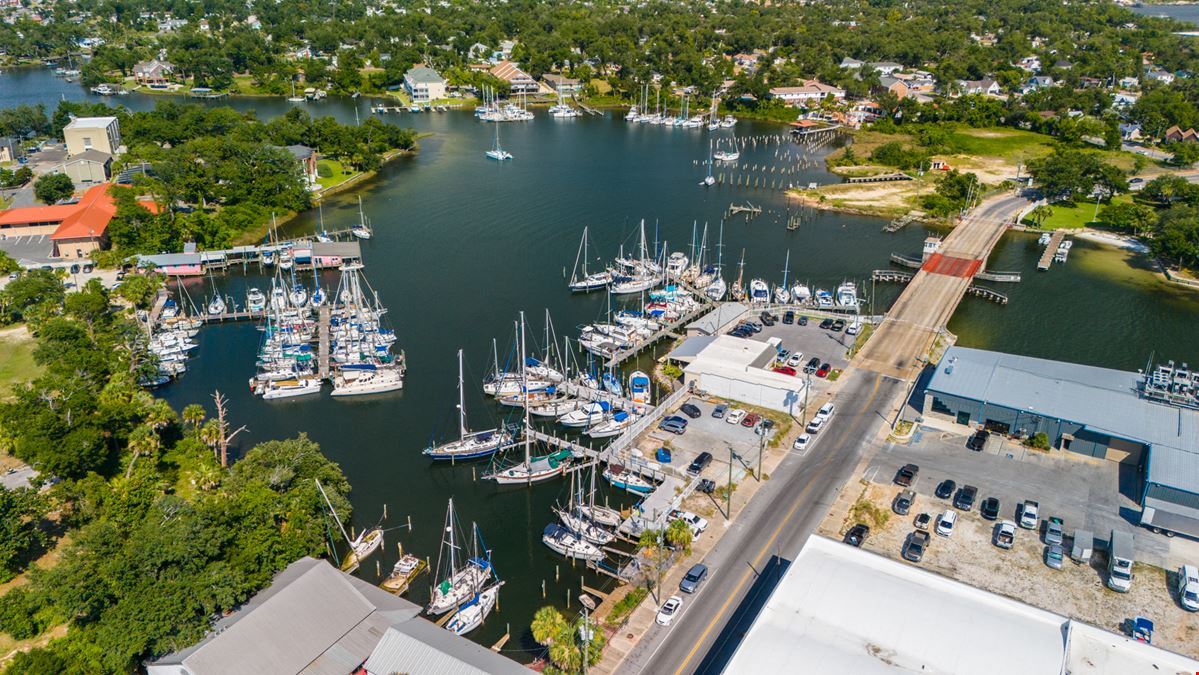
424	75
712	321
420	647
1101	399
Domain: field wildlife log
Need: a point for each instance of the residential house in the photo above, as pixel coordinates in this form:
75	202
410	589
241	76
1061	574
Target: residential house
424	84
864	112
1131	132
745	62
153	71
1129	83
1031	64
985	87
306	158
316	620
10	150
519	82
885	67
851	63
985	40
1037	82
92	133
1090	82
895	85
86	168
1175	135
1159	75
1124	99
1063	64
811	91
561	84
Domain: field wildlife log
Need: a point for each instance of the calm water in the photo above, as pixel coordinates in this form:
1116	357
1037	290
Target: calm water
1187	13
463	243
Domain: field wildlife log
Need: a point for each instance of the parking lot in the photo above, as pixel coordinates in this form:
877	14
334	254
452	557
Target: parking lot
706	434
810	340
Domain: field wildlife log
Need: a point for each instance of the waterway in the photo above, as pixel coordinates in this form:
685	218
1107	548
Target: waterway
463	243
1188	13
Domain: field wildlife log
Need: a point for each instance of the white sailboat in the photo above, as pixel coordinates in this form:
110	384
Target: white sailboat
362	228
470	444
716	288
498	153
585	282
461	579
708	180
566	543
472	613
367	542
782	294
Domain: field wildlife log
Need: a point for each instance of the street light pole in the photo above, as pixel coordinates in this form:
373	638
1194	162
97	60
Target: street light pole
728	502
761	444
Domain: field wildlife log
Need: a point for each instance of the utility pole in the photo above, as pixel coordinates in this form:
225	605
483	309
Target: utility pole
761	445
223	428
728	502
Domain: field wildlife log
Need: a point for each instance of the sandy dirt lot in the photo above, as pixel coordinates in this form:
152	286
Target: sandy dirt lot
1078	591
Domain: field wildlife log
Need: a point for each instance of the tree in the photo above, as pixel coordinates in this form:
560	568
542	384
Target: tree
1183	153
52	188
1177	236
21	512
1067	175
1129	216
1040	214
548	625
679	535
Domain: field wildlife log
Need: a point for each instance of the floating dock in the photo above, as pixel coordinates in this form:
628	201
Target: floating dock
1051	250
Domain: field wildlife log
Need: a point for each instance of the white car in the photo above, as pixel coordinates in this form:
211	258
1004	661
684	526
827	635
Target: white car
669	610
735	416
795	360
946	521
815	425
826	411
697	523
853	328
802	442
1188	587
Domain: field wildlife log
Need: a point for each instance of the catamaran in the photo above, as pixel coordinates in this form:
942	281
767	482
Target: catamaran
470	444
498	153
587	281
461	579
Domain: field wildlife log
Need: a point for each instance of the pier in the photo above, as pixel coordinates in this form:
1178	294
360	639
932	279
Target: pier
902	222
748	209
882	178
667	330
322	328
907	261
1051	250
307	251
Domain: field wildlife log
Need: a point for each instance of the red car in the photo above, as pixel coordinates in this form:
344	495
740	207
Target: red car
824	368
751	420
786	370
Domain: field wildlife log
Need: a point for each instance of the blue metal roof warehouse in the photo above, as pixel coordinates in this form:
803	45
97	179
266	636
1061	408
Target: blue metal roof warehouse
1084	409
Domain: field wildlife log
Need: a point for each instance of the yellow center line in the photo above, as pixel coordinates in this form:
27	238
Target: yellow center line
758	559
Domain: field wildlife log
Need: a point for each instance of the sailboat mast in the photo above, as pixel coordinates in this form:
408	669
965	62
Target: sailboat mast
461	401
524	385
334	512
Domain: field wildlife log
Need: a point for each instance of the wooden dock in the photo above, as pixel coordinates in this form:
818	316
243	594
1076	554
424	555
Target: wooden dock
667	330
892	276
1051	250
905	277
907	261
576	449
987	294
236	315
1002	277
882	178
748	209
323	341
901	222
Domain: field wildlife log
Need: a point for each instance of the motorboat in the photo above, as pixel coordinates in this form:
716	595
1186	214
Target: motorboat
619	476
406	569
759	292
290	387
726	155
170	309
379	381
847	295
472	613
728	122
800	293
631	116
640	391
590	413
613	426
255	300
676	264
566	543
368	542
716	289
824	299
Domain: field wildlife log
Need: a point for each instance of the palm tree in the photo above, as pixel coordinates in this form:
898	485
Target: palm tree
548	625
679	535
1040	214
193	415
143	441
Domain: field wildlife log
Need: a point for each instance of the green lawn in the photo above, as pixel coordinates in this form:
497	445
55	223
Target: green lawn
16	360
331	172
1074	217
1001	142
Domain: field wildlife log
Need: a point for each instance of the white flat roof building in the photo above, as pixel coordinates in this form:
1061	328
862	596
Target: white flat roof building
739	369
839	609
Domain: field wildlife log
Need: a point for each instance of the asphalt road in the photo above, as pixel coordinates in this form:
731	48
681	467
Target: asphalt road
777	522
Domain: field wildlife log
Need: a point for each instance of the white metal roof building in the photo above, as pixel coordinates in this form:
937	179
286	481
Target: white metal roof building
1093	411
839	609
739	369
315	620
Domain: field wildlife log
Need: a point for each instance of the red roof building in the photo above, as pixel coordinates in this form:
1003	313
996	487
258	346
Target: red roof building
76	229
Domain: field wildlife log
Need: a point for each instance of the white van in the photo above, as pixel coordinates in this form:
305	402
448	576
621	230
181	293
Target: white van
1119	562
825	412
1188	588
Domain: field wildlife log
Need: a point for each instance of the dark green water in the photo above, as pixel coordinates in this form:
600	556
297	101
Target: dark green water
463	243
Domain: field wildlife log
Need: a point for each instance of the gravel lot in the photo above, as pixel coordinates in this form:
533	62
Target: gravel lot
1077	591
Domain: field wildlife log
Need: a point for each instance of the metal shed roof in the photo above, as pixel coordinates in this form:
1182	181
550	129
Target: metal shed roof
421	647
1101	399
711	322
691	347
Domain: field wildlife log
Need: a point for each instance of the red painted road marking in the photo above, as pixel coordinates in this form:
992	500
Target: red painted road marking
950	266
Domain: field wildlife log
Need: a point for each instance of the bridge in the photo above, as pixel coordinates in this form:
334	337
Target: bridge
907	332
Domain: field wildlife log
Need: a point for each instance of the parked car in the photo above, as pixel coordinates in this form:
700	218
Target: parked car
826	411
802	442
826	324
720	409
88	267
735	416
693	578
697	523
813	365
803	320
754	326
1054	531
1053	556
1005	534
915	546
751	420
979	440
690	410
795	360
857	534
13	275
1029	517
903	502
922	521
989	508
767	320
838	325
1188	588
785	370
782	355
669	610
964	500
906	475
706	486
815	425
854	328
120	275
788	317
674	425
824	370
764	427
75	268
697	465
945	489
740	332
946	522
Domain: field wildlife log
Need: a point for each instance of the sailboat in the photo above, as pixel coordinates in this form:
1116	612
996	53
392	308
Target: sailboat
532	469
461	579
717	288
322	236
587	281
600	515
470	444
621	477
738	292
471	614
782	294
708	180
498	153
366	543
293	98
580	523
362	228
566	543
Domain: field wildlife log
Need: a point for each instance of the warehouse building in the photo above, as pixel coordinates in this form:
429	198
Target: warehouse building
739	369
1098	412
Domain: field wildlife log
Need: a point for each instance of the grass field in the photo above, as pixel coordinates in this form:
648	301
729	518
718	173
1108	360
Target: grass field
337	172
1074	217
1008	143
16	359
